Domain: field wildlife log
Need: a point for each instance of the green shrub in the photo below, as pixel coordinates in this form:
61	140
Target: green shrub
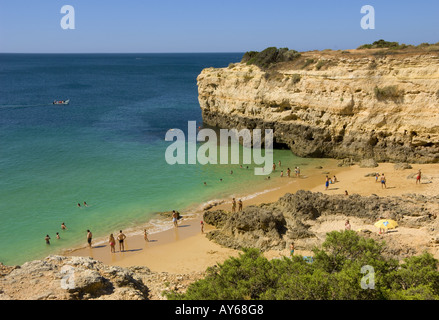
296	78
307	63
386	93
247	77
269	57
383	44
320	64
335	274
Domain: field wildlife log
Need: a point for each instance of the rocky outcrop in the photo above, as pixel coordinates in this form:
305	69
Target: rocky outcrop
330	104
80	278
275	225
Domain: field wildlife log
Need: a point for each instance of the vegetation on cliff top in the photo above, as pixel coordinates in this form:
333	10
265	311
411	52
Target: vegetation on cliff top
382	44
269	56
335	274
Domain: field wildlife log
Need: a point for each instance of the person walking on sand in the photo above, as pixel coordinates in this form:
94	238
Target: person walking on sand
418	177
112	242
89	237
383	182
145	235
121	237
175	218
233	205
327	183
377	177
202	226
47	238
240	205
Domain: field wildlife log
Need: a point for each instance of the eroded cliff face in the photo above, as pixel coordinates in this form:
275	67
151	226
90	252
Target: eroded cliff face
330	104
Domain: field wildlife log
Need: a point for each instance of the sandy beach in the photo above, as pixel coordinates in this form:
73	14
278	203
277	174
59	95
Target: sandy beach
185	249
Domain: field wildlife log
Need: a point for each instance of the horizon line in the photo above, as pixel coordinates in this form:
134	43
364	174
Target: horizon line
176	52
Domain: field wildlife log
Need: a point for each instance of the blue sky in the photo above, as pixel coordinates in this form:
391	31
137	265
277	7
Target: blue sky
33	26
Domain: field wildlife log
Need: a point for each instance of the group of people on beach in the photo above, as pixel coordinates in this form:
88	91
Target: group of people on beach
381	179
120	238
378	178
330	181
234	205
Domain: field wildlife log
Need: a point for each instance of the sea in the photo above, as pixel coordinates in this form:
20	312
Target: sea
105	148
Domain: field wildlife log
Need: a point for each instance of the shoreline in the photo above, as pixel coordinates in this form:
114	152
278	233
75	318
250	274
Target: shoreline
185	249
189	225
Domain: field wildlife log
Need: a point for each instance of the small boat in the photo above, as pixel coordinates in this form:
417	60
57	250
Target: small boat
61	101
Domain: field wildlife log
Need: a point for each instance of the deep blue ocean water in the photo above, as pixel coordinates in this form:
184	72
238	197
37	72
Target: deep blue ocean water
106	147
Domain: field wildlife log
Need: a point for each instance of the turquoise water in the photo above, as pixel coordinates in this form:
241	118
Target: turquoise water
106	147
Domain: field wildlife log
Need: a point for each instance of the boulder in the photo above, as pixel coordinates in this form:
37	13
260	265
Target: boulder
368	163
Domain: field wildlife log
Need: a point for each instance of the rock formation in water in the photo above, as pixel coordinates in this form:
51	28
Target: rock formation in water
359	104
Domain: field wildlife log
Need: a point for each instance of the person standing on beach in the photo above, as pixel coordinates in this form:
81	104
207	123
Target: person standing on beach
383	182
376	177
112	242
240	205
202	226
327	183
89	237
418	177
174	218
47	239
121	237
288	172
233	205
145	235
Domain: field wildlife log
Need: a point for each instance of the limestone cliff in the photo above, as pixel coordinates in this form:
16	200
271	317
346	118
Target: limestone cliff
353	104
